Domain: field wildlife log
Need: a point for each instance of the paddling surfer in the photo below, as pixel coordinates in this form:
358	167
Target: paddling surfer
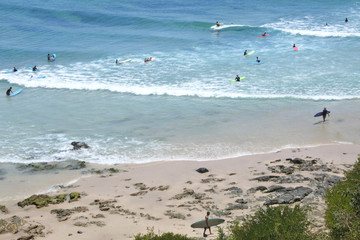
8	92
257	59
207	224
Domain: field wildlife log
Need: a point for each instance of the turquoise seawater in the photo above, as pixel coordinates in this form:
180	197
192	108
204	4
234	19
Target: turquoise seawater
181	105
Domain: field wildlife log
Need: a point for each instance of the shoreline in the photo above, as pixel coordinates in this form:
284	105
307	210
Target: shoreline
169	196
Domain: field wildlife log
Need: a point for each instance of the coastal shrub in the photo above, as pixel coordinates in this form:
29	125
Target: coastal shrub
280	223
165	236
342	215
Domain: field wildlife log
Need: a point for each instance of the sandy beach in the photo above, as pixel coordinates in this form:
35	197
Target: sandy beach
170	196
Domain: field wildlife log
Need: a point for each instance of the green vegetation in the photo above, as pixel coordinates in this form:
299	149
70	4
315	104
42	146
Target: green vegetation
343	206
74	196
281	223
166	236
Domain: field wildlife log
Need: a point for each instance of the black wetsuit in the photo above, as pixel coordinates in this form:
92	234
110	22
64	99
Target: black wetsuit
8	92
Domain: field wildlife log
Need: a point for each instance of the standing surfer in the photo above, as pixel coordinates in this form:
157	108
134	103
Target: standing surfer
324	113
207	224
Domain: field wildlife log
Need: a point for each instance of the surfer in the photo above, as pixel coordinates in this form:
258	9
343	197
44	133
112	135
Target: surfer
217	24
207	224
48	56
326	25
346	20
264	34
257	59
294	45
8	92
148	59
237	78
324	113
14	70
245	52
35	68
117	62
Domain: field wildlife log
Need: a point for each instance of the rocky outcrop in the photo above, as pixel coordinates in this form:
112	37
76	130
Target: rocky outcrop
79	145
43	200
290	196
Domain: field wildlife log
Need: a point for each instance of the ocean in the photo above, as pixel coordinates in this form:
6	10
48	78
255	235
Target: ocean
182	105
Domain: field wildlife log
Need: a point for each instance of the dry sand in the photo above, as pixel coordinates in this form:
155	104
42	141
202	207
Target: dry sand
170	196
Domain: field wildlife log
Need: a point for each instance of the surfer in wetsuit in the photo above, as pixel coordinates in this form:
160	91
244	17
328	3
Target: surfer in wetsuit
14	70
237	78
35	68
217	24
245	52
264	34
346	20
324	113
294	45
207	224
48	56
8	92
257	59
116	61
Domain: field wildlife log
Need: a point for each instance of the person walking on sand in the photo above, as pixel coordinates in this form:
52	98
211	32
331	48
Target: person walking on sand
207	224
324	113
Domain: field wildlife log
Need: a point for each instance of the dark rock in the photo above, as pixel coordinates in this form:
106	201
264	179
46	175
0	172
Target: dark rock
234	191
34	167
282	169
295	195
79	145
240	200
275	188
64	214
29	237
3	209
236	206
297	161
265	178
202	170
79	232
11	225
254	190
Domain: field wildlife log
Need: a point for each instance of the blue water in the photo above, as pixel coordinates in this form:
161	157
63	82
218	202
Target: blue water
182	104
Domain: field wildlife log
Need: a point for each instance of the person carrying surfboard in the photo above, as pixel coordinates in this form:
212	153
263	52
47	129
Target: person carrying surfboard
324	113
8	92
207	224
